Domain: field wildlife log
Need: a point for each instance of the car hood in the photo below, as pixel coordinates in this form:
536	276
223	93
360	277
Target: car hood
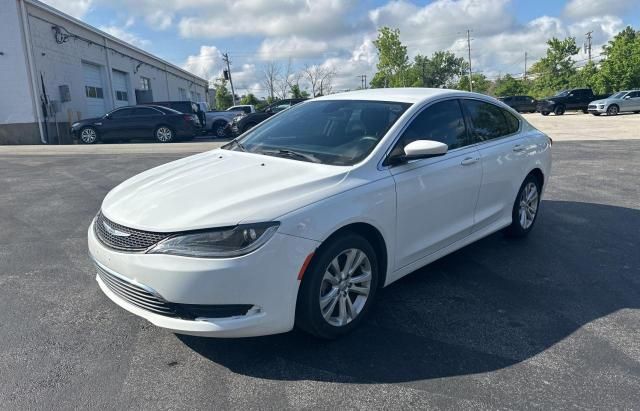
219	188
87	121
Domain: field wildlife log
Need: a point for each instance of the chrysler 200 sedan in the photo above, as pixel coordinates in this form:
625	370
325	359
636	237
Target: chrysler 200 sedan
301	220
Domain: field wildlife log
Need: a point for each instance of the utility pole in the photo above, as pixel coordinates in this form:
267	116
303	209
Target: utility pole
589	44
525	66
363	81
225	58
469	49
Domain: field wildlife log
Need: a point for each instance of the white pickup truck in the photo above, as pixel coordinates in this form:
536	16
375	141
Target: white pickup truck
217	120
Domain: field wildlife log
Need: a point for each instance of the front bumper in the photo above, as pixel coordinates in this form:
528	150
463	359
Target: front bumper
597	108
546	107
265	279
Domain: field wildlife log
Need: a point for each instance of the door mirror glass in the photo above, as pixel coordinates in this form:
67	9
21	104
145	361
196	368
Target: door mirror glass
627	97
424	149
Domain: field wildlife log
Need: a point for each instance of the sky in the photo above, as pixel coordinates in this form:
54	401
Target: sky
338	34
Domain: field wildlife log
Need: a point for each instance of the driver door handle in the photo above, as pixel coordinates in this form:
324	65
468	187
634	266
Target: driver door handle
470	160
518	147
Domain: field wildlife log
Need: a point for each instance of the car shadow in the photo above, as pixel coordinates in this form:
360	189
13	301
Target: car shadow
490	305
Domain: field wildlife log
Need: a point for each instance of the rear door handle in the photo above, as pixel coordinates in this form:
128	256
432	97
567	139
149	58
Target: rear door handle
518	147
469	160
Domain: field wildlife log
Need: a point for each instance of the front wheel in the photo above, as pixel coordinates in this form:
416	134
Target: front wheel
219	129
596	114
164	134
88	135
544	113
525	208
559	110
613	110
338	288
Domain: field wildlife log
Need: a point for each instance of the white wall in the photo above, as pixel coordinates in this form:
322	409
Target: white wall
15	102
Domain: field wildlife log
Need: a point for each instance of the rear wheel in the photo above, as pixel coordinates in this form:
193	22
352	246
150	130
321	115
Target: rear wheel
585	111
613	110
338	288
525	208
164	134
559	110
544	113
88	135
219	129
596	114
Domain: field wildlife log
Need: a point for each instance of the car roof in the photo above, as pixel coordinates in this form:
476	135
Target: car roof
402	95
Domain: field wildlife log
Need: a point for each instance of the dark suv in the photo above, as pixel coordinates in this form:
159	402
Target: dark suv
522	104
241	124
576	99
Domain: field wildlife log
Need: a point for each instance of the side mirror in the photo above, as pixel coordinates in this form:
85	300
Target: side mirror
268	110
627	97
571	95
424	149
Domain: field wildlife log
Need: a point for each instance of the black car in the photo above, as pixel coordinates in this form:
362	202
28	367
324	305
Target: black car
137	122
186	107
522	104
576	99
241	124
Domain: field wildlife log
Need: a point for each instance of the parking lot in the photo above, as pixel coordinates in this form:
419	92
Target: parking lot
547	322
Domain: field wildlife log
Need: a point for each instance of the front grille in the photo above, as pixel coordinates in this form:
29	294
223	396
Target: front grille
135	294
124	238
592	106
147	299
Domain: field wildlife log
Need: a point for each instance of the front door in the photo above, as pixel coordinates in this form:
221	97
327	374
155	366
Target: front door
117	125
436	197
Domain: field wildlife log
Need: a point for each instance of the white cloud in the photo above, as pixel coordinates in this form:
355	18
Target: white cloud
75	8
125	35
159	20
206	64
580	9
294	47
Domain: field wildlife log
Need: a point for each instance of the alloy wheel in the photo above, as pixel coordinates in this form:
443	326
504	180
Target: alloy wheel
88	136
345	287
528	205
613	110
164	134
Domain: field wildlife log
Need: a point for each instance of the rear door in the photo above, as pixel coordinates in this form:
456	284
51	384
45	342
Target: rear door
503	152
436	197
633	102
144	121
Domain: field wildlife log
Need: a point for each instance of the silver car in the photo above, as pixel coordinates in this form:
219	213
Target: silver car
620	102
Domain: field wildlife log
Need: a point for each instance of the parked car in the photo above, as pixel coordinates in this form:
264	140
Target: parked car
219	122
244	123
620	102
303	218
245	108
522	104
137	122
186	107
576	99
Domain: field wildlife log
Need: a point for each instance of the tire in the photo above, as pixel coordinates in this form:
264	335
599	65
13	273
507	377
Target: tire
532	111
164	134
596	114
559	110
585	111
319	283
88	135
613	110
544	113
248	127
636	112
218	129
525	212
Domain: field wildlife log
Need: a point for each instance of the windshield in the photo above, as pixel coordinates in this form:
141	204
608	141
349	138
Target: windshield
562	93
338	132
619	94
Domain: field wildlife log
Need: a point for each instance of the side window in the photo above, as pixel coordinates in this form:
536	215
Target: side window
634	94
489	121
143	111
441	122
125	112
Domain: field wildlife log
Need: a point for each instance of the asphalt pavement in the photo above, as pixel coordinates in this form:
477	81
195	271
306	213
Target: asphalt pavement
548	322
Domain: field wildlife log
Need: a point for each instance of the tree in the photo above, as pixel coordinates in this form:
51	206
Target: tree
224	100
297	93
393	61
510	86
480	83
556	69
320	78
587	76
249	98
442	69
621	68
285	81
271	76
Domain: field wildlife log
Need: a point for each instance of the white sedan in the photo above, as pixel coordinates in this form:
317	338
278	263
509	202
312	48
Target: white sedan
301	220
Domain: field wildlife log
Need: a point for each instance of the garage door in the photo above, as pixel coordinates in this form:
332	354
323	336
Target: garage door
120	88
93	90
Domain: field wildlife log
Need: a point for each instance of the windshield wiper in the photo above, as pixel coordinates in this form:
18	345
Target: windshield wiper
237	144
292	154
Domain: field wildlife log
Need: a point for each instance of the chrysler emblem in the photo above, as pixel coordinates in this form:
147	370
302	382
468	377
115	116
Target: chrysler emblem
113	231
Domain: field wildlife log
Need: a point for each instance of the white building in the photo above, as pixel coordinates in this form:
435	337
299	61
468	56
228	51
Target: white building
49	57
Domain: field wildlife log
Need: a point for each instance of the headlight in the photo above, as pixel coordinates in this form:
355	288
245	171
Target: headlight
601	106
74	125
218	243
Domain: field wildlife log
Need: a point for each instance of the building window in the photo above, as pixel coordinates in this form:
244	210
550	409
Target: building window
122	96
145	83
183	94
198	97
93	92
